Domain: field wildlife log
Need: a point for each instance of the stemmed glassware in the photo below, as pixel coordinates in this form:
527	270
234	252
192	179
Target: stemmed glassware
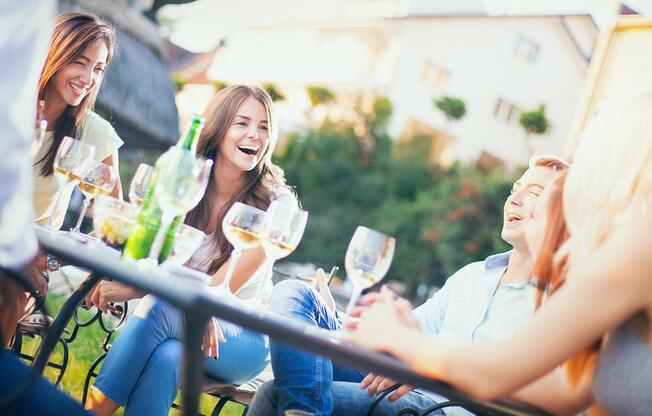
69	164
139	183
99	179
41	125
284	228
367	260
244	227
180	185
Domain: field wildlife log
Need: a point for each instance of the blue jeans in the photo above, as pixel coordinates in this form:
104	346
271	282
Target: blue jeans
309	382
142	368
348	400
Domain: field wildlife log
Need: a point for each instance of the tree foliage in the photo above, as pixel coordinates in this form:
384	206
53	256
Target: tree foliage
274	93
346	176
534	122
319	95
452	107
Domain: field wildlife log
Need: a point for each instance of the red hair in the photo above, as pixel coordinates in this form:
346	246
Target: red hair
550	271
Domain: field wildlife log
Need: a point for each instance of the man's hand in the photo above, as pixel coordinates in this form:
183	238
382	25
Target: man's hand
106	292
323	289
212	337
377	384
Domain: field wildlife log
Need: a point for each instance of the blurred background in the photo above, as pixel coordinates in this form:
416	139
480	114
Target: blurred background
409	116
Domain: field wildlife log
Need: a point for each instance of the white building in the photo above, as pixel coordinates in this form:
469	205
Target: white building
499	65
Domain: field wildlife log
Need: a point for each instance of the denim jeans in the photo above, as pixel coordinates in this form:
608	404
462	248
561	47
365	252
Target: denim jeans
348	400
309	382
143	366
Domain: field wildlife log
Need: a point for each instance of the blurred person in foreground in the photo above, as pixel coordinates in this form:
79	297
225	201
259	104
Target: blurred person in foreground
482	302
24	29
599	322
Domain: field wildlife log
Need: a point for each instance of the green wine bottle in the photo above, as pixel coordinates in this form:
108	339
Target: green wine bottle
148	221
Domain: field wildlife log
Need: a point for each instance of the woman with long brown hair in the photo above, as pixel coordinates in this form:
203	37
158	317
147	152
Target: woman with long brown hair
141	370
80	50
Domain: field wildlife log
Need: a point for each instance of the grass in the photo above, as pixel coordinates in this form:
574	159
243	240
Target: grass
84	350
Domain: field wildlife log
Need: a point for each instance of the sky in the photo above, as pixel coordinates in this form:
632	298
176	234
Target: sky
199	26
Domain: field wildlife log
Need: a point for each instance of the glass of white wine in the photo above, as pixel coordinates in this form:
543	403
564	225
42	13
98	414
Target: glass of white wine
282	233
69	164
139	183
99	179
367	260
244	227
180	185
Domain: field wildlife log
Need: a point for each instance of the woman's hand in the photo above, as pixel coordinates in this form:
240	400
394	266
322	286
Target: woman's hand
386	324
107	291
212	337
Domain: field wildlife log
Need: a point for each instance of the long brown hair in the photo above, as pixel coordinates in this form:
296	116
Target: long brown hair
73	33
260	182
550	270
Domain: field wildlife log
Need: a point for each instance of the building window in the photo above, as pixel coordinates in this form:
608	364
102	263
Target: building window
433	75
506	111
526	49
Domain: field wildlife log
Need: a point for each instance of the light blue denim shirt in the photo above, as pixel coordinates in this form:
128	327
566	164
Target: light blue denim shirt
472	308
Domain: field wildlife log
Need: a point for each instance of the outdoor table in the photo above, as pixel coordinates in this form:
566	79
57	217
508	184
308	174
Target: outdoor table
198	306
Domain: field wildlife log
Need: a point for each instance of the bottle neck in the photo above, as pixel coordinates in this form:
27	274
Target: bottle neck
190	139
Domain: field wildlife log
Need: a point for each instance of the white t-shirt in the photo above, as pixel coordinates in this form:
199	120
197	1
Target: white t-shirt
263	276
96	131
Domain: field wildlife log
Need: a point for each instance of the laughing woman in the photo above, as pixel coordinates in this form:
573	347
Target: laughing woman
80	51
141	370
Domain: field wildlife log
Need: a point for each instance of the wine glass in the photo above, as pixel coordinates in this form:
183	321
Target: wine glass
69	163
99	179
282	233
244	227
367	260
139	183
180	185
40	126
113	221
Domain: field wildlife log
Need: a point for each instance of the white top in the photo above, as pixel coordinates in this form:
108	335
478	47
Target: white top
95	131
263	276
26	28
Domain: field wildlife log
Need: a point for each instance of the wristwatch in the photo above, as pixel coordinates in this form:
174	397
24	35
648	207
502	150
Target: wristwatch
52	263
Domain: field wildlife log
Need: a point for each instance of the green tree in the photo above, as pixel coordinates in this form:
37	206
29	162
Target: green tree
534	123
274	93
453	108
219	85
346	176
319	95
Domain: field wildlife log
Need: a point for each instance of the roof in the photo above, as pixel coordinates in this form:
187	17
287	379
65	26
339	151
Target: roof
137	93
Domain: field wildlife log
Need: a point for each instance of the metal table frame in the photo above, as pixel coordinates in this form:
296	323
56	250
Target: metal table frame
198	306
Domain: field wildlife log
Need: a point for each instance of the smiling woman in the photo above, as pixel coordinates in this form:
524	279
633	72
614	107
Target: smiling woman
80	50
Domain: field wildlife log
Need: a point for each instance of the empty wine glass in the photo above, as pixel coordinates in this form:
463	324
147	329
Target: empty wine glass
40	126
282	233
139	183
69	162
180	184
367	260
99	179
244	227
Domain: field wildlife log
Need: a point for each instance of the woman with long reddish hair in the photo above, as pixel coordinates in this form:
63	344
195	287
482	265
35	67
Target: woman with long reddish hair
599	321
80	50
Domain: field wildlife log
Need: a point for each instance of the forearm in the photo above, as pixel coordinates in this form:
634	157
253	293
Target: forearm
555	395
